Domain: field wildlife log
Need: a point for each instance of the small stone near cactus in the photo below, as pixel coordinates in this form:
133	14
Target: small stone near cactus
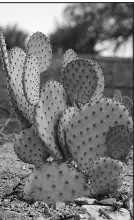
53	102
62	126
31	80
106	176
29	148
68	57
83	80
16	62
55	182
40	46
86	132
119	141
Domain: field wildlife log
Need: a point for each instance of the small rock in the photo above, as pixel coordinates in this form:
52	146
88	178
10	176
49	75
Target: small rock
84	216
85	201
93	210
59	205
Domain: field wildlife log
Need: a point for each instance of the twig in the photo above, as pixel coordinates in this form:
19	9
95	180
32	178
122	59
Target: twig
8	120
102	212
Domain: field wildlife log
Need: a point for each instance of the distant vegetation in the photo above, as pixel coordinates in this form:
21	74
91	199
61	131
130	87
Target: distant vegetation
86	24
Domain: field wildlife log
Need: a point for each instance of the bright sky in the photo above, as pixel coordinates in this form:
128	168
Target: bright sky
34	17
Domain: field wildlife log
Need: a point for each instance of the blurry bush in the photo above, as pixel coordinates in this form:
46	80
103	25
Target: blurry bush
87	24
14	37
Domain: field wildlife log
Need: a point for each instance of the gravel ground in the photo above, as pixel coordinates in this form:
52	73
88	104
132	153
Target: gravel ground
14	173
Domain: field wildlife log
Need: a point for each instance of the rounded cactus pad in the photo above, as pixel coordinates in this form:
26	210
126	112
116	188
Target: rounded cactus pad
29	148
16	62
53	102
128	102
86	132
68	57
5	59
106	175
117	95
55	182
31	79
83	80
40	46
119	141
62	126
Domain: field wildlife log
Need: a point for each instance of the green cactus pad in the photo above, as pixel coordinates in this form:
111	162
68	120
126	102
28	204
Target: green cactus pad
31	80
40	46
29	148
86	132
106	175
119	141
4	52
68	57
83	80
62	126
16	62
53	102
117	95
55	182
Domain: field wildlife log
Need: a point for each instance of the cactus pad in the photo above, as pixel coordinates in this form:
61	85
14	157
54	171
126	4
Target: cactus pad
40	46
86	132
106	175
119	141
31	80
117	95
29	148
16	62
62	126
83	80
53	102
55	182
68	57
128	102
5	60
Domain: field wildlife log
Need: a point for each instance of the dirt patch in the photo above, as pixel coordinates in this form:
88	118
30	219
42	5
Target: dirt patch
13	175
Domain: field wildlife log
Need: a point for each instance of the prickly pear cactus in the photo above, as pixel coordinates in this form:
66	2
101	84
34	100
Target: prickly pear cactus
39	45
62	126
89	132
29	148
128	102
53	182
31	80
119	141
106	175
53	102
86	132
83	80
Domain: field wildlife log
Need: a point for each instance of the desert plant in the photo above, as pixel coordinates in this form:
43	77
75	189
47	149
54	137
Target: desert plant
69	121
